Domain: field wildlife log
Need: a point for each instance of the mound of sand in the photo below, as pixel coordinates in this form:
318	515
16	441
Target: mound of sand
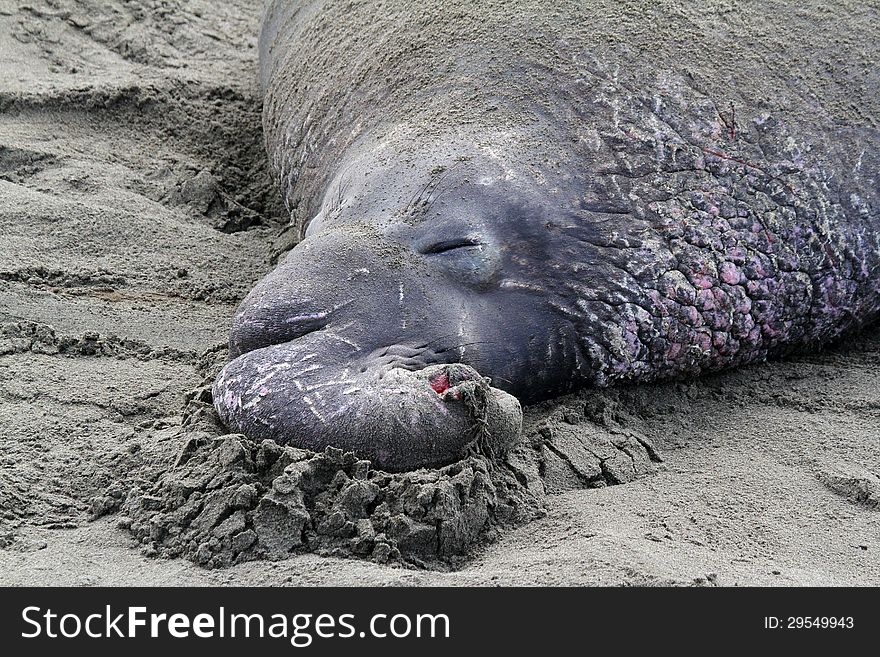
226	499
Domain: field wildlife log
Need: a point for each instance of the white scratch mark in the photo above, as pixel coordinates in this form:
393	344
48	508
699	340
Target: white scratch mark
342	338
460	343
306	318
859	163
510	284
400	303
314	410
326	384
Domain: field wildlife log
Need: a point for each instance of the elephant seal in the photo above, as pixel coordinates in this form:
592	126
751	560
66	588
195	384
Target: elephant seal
552	195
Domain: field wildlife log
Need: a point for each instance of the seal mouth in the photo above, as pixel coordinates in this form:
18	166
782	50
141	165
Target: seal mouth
439	382
449	380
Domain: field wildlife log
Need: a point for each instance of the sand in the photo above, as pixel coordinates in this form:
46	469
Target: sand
135	212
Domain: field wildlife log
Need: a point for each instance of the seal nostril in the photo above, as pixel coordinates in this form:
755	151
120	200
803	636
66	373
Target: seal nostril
262	326
450	245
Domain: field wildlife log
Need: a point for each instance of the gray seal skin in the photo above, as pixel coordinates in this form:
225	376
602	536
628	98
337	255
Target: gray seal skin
555	195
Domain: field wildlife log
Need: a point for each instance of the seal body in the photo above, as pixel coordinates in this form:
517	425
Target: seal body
555	195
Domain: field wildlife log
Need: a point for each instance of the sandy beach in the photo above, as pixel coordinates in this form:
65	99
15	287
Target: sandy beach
136	211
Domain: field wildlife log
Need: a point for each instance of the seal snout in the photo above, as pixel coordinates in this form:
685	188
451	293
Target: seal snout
402	421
